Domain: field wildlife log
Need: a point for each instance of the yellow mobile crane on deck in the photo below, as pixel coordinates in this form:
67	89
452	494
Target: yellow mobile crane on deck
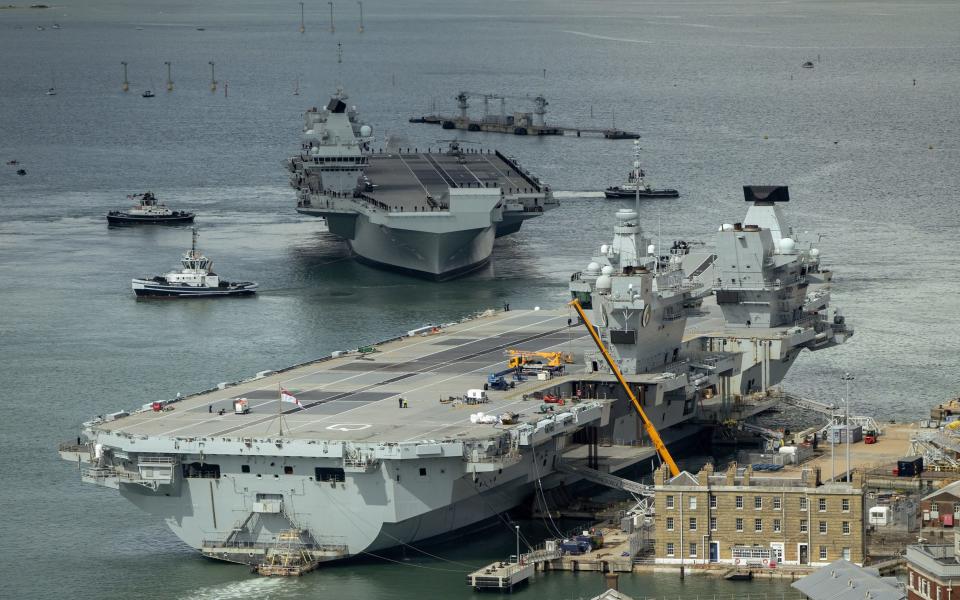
648	425
519	358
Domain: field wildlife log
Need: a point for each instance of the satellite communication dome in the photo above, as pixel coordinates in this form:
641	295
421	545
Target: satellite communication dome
365	131
626	214
607	270
593	268
651	249
604	283
604	249
787	246
814	252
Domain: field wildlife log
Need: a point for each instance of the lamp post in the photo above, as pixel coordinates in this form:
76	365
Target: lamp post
847	378
518	543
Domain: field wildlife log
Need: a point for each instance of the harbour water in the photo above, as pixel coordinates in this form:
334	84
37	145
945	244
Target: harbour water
716	90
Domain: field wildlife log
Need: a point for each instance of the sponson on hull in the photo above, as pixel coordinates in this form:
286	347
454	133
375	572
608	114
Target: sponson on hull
148	210
194	280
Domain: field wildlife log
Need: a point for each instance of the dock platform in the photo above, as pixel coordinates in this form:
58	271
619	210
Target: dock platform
501	576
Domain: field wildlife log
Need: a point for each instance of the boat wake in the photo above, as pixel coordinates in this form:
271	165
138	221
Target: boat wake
239	590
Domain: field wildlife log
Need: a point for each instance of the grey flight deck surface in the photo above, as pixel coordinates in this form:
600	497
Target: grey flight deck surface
359	393
405	179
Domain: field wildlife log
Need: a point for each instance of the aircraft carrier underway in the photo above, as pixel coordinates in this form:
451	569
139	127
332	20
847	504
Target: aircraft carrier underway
433	214
386	445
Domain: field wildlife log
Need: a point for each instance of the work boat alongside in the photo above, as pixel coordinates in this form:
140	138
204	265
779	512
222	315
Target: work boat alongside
430	213
637	186
195	280
148	210
355	453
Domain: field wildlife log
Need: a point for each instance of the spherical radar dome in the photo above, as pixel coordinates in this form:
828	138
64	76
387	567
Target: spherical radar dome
365	131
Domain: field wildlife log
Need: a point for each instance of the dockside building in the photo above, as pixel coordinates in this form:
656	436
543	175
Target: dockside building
747	518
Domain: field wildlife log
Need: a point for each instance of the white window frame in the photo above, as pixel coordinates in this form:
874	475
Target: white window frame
713	500
804	526
739	523
776	503
713	523
669	502
821	505
846	527
739	502
693	523
693	550
804	502
777	526
758	525
845	504
669	524
823	552
822	528
693	503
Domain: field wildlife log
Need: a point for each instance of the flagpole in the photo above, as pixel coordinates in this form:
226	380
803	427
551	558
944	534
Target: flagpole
280	407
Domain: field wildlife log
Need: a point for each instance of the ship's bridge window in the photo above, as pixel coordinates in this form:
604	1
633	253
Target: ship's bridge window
201	470
329	474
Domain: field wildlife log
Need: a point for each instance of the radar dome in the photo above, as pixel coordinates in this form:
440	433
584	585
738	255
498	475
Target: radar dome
814	252
604	283
593	268
365	131
604	249
787	246
651	249
607	270
625	214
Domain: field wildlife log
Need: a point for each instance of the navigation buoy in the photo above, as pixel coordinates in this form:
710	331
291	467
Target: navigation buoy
765	137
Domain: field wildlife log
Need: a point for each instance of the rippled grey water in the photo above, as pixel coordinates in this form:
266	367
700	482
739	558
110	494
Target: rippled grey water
714	87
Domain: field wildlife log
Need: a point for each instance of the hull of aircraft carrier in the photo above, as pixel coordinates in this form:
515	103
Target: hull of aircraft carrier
402	441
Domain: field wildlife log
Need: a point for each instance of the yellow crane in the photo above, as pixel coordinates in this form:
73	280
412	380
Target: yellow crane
648	425
518	358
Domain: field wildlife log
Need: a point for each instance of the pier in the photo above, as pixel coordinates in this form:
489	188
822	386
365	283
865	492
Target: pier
519	123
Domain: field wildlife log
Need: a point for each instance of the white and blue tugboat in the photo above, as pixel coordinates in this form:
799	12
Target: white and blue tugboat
194	280
148	210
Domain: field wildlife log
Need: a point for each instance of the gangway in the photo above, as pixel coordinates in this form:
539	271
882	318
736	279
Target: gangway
605	479
767	433
806	403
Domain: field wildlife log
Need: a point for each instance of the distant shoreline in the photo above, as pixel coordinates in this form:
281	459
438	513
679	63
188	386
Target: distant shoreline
34	6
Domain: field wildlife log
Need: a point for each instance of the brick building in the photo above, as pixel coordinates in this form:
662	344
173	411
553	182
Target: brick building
933	571
745	518
941	508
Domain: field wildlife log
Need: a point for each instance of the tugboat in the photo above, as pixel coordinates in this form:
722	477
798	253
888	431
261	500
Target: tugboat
148	210
636	182
148	94
194	280
807	65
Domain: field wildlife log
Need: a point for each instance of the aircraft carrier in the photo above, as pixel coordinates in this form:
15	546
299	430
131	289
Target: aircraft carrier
433	213
400	442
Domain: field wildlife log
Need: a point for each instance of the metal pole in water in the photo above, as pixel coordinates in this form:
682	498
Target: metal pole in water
213	79
126	84
169	78
302	26
361	15
331	17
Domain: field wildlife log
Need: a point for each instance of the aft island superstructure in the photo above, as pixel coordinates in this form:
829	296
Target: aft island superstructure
431	213
399	442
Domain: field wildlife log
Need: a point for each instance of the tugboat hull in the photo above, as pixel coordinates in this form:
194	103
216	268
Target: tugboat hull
149	288
622	193
118	218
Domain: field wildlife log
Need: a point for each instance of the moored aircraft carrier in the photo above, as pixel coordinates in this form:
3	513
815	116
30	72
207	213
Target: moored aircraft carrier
419	436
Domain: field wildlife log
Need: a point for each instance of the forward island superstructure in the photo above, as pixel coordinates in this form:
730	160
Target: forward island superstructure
386	447
431	213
